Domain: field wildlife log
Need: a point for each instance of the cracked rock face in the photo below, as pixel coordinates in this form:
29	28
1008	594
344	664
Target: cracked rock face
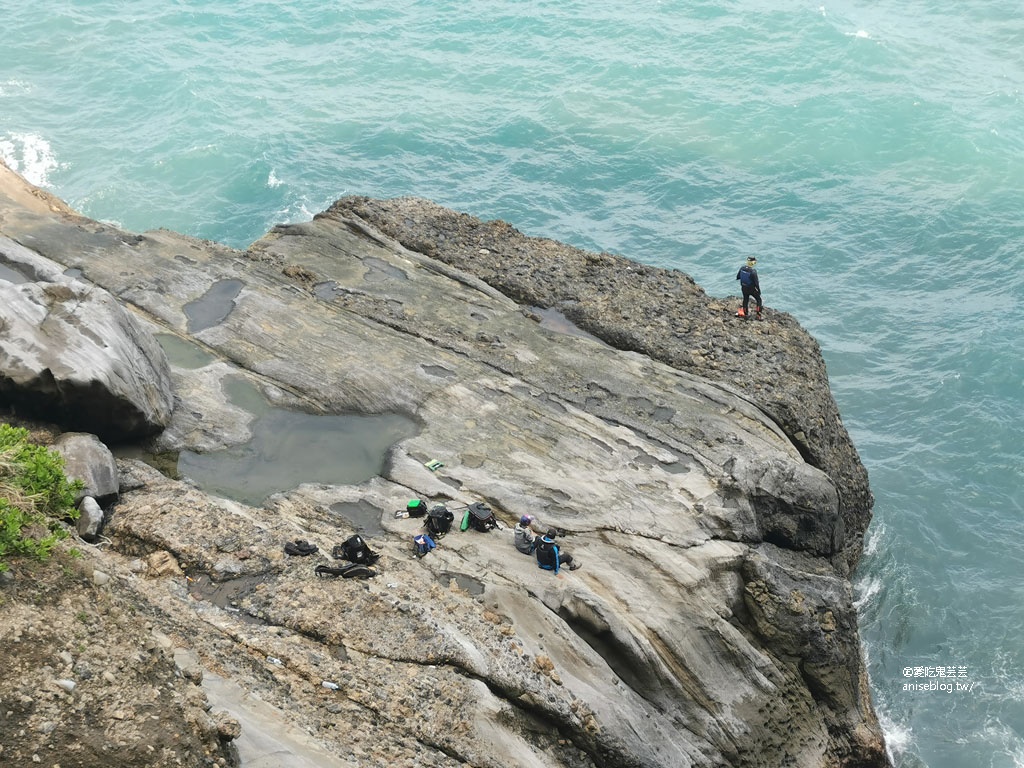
712	621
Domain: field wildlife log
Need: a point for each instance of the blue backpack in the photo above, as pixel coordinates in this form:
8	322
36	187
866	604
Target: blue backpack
747	276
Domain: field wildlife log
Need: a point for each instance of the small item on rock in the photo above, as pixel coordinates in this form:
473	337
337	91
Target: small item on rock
354	571
424	544
354	548
481	517
433	465
300	548
439	521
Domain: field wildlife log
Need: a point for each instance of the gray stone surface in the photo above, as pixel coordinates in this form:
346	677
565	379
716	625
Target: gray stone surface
90	519
72	354
717	517
88	459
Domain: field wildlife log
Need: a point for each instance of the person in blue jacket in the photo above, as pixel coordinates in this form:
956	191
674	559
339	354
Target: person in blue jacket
550	556
750	286
424	544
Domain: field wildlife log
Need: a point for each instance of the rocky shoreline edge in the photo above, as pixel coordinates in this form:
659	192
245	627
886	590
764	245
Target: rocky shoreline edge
719	514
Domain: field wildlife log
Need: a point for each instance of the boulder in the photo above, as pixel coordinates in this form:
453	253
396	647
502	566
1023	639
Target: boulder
71	354
90	519
87	459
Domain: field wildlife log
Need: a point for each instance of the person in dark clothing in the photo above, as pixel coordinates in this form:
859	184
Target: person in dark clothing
551	556
751	286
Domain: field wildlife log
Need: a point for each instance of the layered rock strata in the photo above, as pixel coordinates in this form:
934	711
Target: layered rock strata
696	465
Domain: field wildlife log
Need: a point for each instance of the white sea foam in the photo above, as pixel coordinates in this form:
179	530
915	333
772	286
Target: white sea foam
273	181
1004	741
306	214
14	88
866	591
30	155
898	737
875	536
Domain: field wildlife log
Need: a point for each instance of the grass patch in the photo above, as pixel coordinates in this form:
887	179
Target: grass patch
36	497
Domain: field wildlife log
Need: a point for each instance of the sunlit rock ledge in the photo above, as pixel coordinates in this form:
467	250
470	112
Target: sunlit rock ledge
696	464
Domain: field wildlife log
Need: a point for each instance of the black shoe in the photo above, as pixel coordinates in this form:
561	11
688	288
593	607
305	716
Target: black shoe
574	565
300	548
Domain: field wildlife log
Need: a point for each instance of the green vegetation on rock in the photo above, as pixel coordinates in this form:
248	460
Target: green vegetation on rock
35	497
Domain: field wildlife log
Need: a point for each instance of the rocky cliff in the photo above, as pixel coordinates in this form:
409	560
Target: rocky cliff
695	464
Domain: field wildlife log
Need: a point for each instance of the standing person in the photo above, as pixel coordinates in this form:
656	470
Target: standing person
751	286
551	556
525	541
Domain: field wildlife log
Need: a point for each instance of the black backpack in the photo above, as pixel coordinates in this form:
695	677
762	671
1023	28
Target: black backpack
416	508
439	521
356	550
481	517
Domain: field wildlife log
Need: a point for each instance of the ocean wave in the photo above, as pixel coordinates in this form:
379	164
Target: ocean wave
15	88
898	737
30	155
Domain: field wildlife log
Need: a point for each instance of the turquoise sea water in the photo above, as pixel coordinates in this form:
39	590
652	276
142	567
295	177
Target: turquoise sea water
870	153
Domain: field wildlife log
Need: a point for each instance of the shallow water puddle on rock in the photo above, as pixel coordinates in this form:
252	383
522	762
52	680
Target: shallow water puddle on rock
289	448
213	307
379	270
227	594
554	320
7	274
676	467
467	583
361	515
183	354
327	291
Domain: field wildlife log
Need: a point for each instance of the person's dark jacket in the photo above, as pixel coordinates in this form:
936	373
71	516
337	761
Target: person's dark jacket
751	284
547	554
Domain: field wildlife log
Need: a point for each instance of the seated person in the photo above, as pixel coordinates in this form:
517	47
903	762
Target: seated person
551	556
424	544
525	541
